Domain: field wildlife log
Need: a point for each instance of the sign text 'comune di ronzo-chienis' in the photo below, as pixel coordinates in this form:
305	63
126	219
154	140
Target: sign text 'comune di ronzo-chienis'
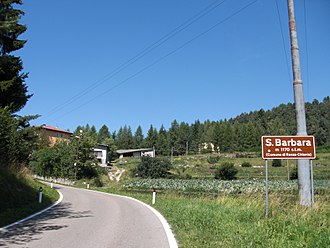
288	147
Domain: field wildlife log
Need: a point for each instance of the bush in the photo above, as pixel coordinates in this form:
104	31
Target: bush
97	182
213	160
246	164
153	168
226	171
294	174
277	163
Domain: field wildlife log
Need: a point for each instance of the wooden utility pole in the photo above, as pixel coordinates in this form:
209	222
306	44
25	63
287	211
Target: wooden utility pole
304	173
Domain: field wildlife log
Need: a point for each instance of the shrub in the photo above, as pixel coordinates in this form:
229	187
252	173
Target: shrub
277	163
188	176
294	174
97	182
213	160
246	164
153	168
226	171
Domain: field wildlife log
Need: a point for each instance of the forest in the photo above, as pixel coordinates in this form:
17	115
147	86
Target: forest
240	134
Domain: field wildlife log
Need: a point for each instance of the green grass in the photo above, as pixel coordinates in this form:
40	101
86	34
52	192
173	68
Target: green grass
203	213
19	196
239	221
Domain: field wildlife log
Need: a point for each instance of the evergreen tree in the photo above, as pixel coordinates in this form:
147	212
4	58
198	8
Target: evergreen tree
110	142
103	134
163	145
13	90
173	137
124	138
17	138
184	138
151	139
138	137
196	134
93	133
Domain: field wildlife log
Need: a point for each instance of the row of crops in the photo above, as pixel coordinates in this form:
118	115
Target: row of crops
220	186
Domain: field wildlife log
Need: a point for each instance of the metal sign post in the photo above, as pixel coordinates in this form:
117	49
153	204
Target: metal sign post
266	186
312	181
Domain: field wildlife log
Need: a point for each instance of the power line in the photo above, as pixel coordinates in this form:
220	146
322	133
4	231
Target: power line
283	41
140	55
306	48
160	59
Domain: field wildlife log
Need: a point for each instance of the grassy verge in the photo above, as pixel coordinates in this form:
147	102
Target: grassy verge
19	196
200	220
239	222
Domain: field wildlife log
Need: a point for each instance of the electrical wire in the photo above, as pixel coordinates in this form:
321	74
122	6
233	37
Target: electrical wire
283	42
138	56
306	48
160	59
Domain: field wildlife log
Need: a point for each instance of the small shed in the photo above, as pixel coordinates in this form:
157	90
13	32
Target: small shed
142	152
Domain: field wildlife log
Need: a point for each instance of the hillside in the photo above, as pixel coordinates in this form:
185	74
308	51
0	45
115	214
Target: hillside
19	196
239	134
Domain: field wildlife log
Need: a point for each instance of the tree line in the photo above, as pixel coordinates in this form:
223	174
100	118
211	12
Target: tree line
240	134
19	141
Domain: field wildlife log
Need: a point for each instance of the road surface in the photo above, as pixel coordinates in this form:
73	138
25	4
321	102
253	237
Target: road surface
88	219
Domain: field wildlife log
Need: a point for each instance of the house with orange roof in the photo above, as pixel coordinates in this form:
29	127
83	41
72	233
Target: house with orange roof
55	134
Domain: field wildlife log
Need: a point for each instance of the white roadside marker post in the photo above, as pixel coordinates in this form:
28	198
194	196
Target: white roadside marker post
153	196
40	194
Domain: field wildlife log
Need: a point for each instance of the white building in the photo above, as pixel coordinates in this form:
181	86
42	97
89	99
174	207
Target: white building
101	153
137	152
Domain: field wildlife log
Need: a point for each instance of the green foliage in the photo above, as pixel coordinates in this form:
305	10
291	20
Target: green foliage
223	187
213	159
246	164
103	134
19	196
195	221
67	160
294	174
17	139
153	168
13	91
124	138
56	161
226	171
277	163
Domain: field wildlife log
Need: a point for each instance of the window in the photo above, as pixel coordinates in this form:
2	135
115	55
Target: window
98	154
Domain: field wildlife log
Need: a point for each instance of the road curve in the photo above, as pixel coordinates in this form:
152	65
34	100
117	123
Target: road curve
86	219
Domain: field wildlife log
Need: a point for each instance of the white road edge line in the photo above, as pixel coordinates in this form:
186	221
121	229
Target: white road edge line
169	234
170	237
34	215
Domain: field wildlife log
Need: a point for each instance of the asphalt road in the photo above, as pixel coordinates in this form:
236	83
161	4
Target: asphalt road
87	219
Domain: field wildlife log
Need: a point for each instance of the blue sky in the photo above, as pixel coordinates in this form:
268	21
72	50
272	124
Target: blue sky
229	61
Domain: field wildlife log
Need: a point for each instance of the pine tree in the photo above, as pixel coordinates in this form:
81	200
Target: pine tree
138	137
163	144
103	134
13	90
151	139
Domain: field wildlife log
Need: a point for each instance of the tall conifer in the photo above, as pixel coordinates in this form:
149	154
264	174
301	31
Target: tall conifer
13	90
